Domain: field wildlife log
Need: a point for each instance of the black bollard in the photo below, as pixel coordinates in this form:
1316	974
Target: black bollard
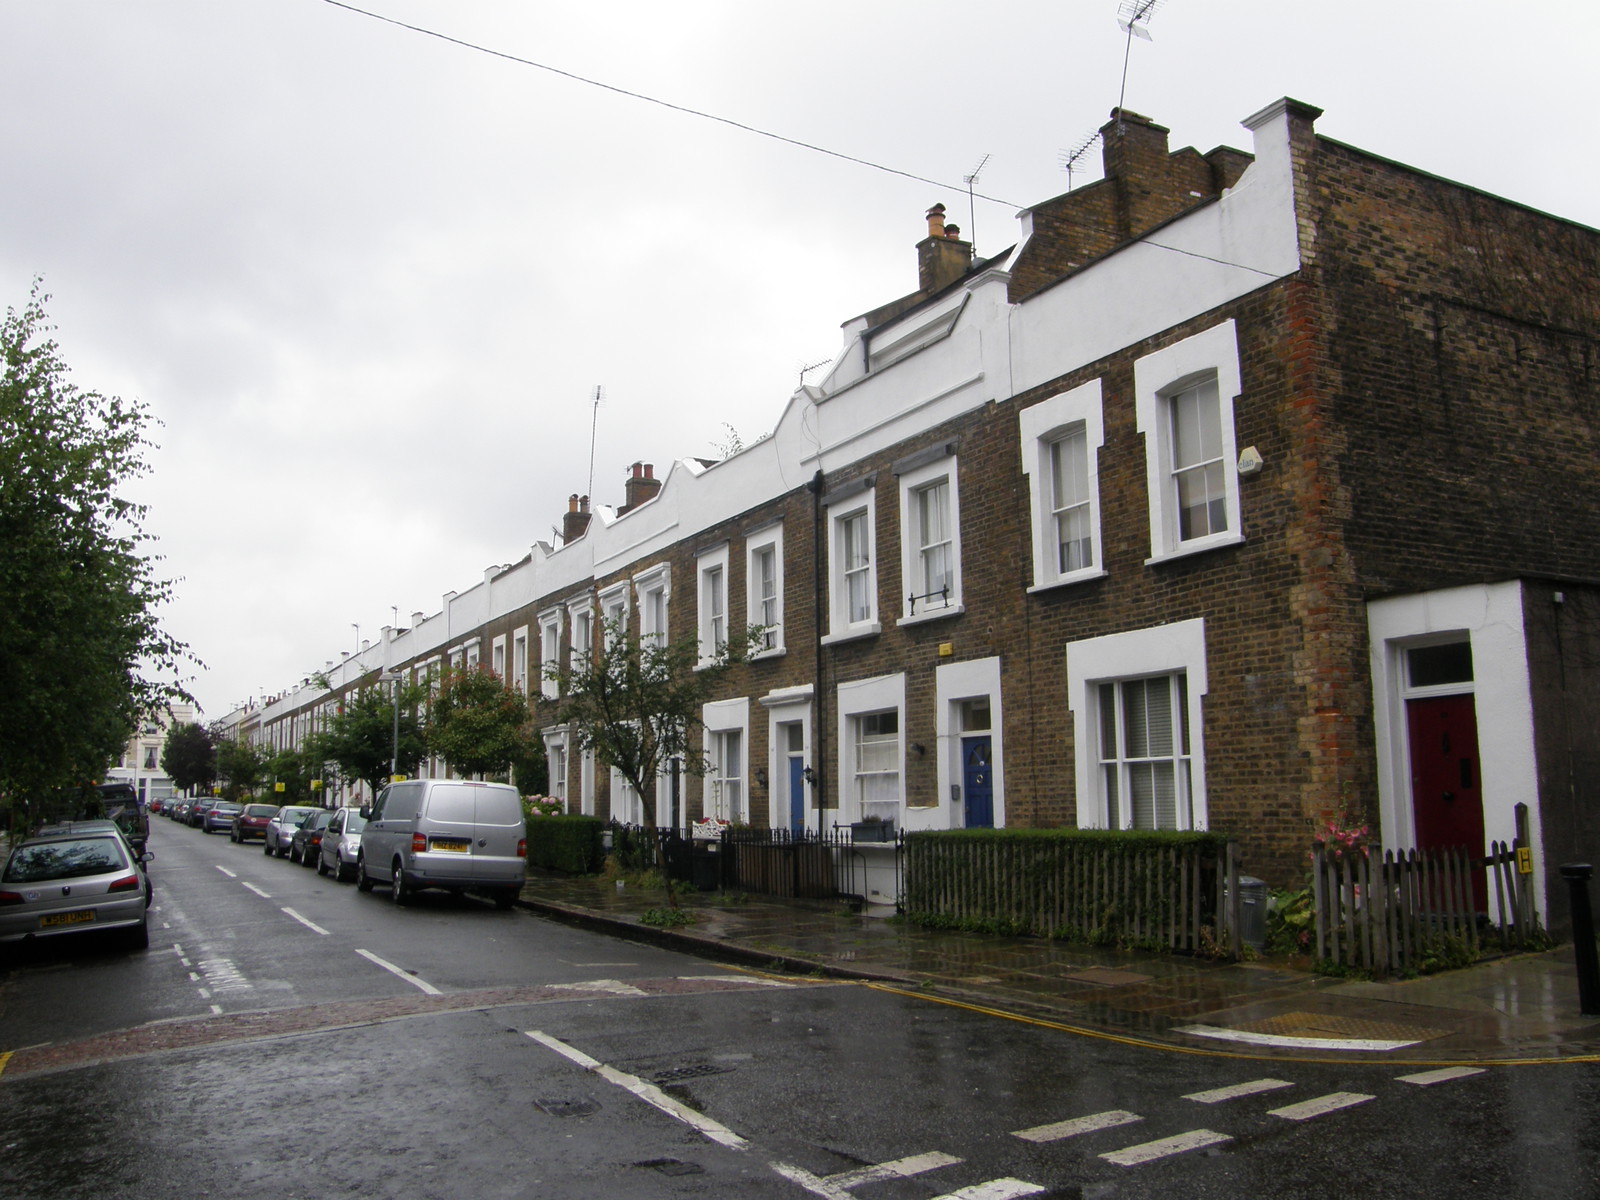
1583	949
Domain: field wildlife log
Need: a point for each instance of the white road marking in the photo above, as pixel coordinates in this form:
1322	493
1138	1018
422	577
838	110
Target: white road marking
1320	1106
423	984
228	873
1254	1087
194	976
614	986
900	1168
1072	1128
750	979
256	890
647	1092
1195	1139
311	925
995	1189
1427	1078
216	1010
1286	1040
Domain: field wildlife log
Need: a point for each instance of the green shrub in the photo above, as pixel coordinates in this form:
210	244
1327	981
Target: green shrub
569	844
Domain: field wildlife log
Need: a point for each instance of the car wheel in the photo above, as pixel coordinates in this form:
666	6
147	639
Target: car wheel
306	859
266	849
504	900
281	850
139	937
401	893
363	880
294	855
344	873
322	865
233	837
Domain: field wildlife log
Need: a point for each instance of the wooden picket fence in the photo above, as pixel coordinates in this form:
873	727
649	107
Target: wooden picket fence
1125	889
1387	912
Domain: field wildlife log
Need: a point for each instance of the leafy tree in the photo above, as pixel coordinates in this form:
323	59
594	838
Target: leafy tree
530	770
242	767
190	756
78	593
295	769
477	722
360	738
637	703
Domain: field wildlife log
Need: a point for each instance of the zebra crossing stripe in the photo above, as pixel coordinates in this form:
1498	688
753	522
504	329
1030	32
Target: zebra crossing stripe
1427	1078
1320	1106
901	1168
1195	1139
1072	1128
1254	1087
995	1189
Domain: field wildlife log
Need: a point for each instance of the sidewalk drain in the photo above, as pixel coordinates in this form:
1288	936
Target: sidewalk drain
567	1108
672	1166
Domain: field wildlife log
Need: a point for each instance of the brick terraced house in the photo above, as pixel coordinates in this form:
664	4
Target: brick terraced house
1244	490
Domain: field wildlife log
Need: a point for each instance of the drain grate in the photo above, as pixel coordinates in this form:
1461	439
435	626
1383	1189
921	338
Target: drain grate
679	1074
566	1108
671	1166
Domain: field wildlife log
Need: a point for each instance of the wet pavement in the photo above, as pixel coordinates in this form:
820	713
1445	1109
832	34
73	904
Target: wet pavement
1521	1008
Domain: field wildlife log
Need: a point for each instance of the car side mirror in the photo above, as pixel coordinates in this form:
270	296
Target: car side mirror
147	856
366	812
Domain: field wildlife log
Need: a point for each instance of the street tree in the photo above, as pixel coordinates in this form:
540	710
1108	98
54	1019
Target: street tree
477	722
637	702
190	756
360	738
82	656
243	767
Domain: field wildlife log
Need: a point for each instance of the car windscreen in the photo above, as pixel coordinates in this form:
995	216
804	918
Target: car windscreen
64	859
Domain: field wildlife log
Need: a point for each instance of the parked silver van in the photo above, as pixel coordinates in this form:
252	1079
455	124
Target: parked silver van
444	833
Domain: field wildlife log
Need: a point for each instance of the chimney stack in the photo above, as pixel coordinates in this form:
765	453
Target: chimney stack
942	257
642	485
576	523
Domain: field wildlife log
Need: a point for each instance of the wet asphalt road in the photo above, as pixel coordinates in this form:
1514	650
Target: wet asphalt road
347	1047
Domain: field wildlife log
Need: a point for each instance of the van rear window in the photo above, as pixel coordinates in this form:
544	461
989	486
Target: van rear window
454	803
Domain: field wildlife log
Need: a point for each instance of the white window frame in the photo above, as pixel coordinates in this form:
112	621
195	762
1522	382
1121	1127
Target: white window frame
580	625
652	591
557	748
1114	658
474	652
711	574
722	719
841	627
497	657
614	603
519	658
913	485
1157	379
549	651
1040	427
758	612
626	805
857	699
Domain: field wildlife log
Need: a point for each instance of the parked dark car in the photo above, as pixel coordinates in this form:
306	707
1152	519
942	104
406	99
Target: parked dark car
251	822
280	830
196	814
219	817
307	841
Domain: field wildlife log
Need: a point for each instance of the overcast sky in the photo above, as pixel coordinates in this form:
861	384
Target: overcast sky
369	279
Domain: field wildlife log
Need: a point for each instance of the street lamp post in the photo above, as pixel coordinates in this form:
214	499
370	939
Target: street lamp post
394	752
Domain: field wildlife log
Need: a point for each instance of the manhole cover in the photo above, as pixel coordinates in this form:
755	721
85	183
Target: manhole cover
679	1074
671	1166
566	1108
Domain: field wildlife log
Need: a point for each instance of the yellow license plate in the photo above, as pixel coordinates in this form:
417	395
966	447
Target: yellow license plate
453	845
80	917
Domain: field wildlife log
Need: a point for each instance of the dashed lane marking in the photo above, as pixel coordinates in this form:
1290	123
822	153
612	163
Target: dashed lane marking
1078	1125
995	1189
837	1187
1320	1106
648	1092
1195	1139
400	972
228	873
1252	1088
309	924
256	890
1428	1078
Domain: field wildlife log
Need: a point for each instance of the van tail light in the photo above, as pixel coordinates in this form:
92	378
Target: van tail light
522	847
128	883
419	843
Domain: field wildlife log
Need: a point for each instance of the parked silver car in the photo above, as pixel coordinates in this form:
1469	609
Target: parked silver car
341	845
74	882
445	833
280	830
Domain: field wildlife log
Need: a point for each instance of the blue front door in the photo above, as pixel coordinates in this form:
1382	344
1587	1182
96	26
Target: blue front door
797	793
977	782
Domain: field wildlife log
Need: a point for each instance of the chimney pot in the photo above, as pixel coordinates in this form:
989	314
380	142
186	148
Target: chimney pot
953	232
936	221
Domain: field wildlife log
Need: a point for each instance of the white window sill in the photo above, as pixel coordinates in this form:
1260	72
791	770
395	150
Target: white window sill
865	629
933	614
773	652
1199	546
1068	580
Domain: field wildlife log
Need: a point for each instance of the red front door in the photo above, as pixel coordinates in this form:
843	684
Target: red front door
1445	792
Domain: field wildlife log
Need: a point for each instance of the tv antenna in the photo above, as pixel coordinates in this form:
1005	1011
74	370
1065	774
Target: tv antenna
594	425
1069	158
810	367
1132	17
970	179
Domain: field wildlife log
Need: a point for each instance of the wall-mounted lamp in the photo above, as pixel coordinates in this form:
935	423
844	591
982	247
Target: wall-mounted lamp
761	776
918	749
809	776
